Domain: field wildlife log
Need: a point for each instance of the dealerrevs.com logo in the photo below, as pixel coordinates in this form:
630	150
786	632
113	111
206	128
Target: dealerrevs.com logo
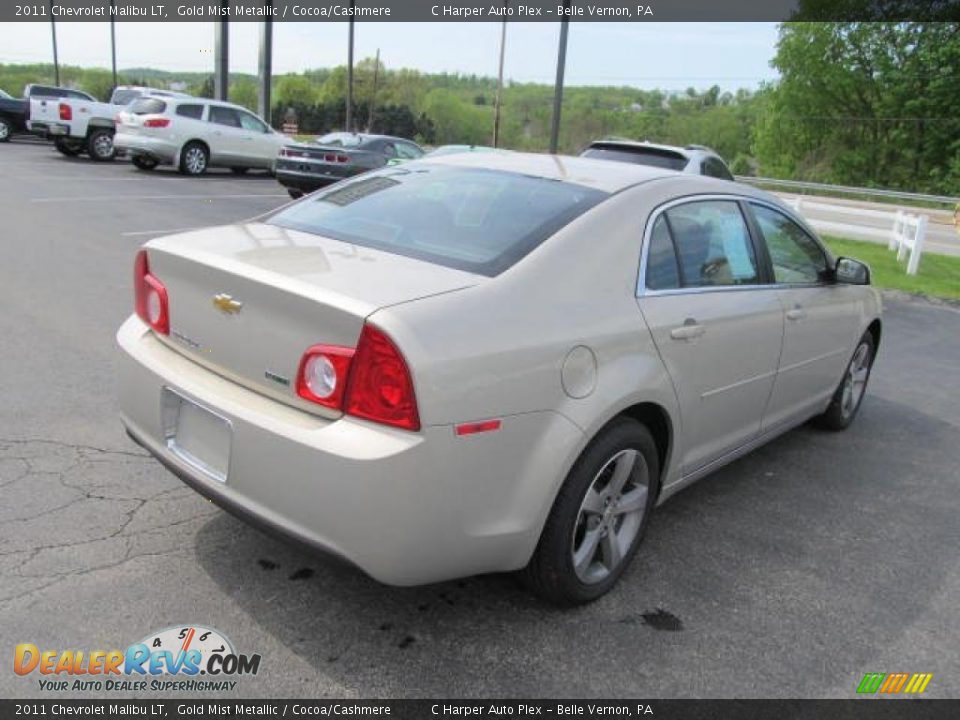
190	658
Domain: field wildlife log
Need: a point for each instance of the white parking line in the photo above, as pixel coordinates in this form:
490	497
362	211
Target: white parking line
122	198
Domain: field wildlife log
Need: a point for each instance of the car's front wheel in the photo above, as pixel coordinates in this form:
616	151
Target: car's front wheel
100	145
848	397
598	518
194	159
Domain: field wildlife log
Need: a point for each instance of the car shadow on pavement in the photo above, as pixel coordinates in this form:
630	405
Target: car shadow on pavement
799	561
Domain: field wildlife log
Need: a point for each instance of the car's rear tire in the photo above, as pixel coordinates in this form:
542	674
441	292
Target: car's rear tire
70	148
239	170
194	158
848	397
100	145
598	518
294	193
6	129
142	162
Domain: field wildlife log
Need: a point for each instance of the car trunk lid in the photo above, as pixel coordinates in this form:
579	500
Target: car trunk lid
248	300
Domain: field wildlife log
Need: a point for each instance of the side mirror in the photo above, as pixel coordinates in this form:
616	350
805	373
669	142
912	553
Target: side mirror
851	272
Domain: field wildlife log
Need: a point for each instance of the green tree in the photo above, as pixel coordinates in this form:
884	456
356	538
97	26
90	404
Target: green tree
863	103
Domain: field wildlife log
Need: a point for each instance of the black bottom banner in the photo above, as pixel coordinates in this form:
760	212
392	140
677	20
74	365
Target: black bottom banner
872	709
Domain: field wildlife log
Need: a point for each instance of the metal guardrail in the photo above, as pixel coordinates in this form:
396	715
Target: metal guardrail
847	190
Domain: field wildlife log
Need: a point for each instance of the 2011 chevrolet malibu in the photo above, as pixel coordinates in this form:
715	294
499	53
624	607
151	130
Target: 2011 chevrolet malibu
489	361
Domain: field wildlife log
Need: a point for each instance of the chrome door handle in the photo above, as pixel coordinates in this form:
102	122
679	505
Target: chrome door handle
688	331
798	313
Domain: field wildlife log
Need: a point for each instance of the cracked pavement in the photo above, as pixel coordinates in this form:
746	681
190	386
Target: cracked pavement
789	573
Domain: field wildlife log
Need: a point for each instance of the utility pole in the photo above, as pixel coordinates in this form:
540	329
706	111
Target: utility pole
558	87
266	66
221	53
53	34
349	122
373	95
113	45
499	99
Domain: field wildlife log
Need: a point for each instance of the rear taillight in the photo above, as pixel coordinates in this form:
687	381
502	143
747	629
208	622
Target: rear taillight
156	122
150	296
335	158
373	382
66	112
322	377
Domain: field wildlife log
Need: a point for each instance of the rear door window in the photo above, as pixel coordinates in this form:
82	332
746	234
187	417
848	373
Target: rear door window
408	151
192	111
713	244
712	167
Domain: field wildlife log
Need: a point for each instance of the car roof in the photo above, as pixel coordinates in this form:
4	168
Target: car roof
590	172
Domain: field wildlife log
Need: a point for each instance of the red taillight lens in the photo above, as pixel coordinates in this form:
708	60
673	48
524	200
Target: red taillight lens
380	387
371	382
156	122
150	296
66	112
322	377
343	158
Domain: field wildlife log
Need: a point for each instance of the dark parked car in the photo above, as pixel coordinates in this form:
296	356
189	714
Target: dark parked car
304	167
13	116
695	159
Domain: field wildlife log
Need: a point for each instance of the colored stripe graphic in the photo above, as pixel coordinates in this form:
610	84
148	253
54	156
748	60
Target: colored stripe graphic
870	683
893	683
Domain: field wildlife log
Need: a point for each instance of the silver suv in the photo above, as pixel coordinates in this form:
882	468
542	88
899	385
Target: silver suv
696	159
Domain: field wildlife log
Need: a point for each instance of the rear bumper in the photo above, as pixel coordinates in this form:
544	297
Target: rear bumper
305	181
160	149
406	508
49	130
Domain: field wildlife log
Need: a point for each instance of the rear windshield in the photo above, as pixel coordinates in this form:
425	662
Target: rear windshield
124	97
655	157
481	221
147	106
341	139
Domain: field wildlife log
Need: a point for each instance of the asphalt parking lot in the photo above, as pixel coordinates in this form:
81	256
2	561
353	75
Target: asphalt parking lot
790	573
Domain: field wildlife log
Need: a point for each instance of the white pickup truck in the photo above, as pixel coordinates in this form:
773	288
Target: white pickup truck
78	125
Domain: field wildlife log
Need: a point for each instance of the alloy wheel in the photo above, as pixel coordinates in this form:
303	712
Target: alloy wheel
103	146
610	517
856	380
196	160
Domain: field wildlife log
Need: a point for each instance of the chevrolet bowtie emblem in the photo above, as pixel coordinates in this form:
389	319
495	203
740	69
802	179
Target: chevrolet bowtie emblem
227	303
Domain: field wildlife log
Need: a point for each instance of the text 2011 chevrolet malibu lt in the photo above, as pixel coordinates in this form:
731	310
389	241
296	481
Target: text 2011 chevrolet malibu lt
489	362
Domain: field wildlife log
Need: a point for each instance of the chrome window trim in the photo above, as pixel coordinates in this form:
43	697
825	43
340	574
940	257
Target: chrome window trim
641	285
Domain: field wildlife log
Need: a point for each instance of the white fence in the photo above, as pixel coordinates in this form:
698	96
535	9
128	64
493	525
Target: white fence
907	236
903	232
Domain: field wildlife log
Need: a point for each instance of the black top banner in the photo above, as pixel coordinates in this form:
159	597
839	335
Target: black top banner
487	709
480	11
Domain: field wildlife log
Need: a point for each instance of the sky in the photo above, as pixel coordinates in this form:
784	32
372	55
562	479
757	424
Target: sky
671	56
